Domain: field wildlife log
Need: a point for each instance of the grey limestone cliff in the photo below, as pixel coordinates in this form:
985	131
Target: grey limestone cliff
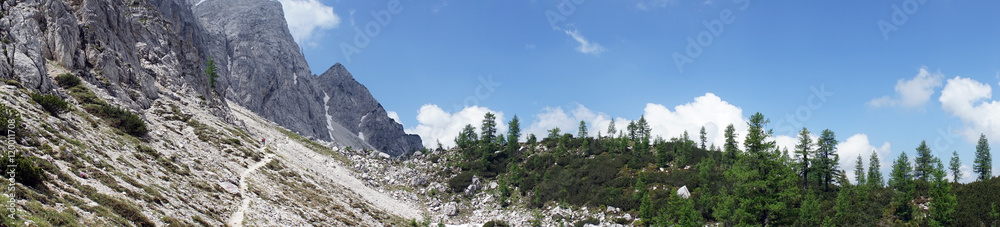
266	72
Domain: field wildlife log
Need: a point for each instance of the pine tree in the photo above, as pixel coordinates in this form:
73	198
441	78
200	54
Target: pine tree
731	146
902	183
643	129
804	149
611	129
943	207
763	184
827	160
955	166
582	131
810	213
513	135
874	171
984	162
467	138
704	138
923	165
859	171
554	134
632	131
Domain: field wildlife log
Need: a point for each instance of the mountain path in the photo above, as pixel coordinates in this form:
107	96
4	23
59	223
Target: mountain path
236	220
322	166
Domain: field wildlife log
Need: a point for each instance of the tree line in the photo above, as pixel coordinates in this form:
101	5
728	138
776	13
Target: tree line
738	184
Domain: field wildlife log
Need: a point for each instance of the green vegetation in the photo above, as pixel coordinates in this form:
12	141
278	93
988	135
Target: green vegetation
67	80
51	103
752	183
27	171
211	71
120	118
10	121
116	117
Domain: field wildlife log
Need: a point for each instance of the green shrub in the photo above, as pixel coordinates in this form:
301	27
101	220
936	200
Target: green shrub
85	96
10	120
27	172
148	150
495	223
460	182
590	220
125	209
120	118
51	103
67	80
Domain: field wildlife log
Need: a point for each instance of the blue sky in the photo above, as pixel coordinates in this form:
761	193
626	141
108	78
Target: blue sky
607	60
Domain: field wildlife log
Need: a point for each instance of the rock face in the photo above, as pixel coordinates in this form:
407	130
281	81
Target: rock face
122	48
349	104
265	72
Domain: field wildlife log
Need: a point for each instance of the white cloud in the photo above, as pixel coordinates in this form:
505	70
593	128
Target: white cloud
434	124
971	101
708	110
912	93
307	16
394	116
655	4
586	46
556	117
858	144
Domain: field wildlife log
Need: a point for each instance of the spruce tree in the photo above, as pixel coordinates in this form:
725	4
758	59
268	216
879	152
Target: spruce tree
859	171
704	138
804	150
513	135
731	146
764	186
827	160
955	166
943	207
902	183
581	132
923	165
874	171
984	162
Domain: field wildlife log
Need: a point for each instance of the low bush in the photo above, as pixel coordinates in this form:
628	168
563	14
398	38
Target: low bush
460	182
120	118
10	121
51	103
27	172
67	80
495	223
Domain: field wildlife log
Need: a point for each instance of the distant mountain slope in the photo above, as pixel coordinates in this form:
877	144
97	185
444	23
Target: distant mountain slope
264	71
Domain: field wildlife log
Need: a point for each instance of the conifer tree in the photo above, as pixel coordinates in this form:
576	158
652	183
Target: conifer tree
923	166
804	150
874	171
859	171
955	166
984	160
704	138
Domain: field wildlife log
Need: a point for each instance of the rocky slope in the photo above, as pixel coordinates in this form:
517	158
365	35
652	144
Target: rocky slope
266	72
